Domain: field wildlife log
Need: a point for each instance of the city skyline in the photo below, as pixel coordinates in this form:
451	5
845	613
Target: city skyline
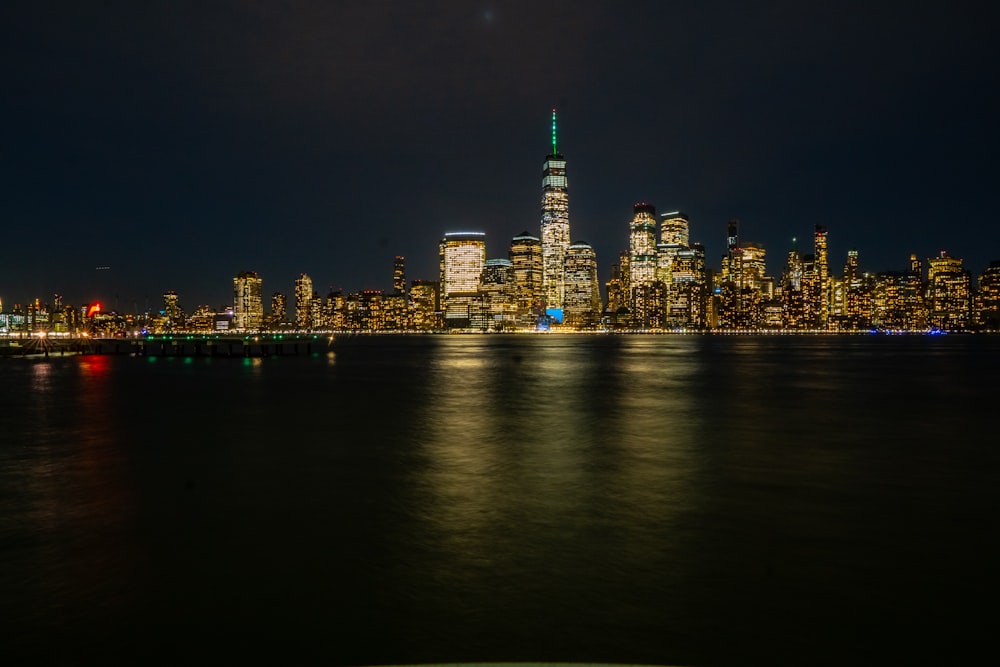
181	145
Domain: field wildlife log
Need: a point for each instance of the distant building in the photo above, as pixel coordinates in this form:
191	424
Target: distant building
526	258
462	257
425	305
279	311
497	303
248	305
303	302
582	305
399	275
949	293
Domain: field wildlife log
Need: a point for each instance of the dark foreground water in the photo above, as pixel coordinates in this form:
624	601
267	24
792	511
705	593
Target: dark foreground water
669	500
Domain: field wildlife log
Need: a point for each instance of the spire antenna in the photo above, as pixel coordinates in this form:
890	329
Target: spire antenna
554	151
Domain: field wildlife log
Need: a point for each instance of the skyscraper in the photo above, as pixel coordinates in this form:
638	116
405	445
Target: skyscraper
172	309
278	308
644	291
583	296
497	297
526	256
555	224
821	286
462	258
674	229
399	275
303	301
642	245
949	292
248	305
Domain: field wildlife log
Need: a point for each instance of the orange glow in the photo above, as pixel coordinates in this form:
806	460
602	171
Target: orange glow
94	309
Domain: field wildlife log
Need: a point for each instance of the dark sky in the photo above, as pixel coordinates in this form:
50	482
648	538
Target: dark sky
182	142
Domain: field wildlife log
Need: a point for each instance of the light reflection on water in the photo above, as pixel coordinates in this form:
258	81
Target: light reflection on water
622	498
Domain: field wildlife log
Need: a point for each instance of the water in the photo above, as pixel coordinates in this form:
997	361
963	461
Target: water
641	499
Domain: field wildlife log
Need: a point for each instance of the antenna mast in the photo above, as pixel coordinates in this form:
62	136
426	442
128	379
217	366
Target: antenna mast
554	151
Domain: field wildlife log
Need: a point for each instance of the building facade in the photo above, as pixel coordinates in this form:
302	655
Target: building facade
248	306
554	224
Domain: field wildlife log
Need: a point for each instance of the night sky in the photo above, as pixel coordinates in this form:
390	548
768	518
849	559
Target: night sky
182	142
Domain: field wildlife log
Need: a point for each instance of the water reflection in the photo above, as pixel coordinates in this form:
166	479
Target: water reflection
556	457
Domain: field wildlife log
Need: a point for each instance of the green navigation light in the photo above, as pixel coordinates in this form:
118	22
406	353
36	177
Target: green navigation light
554	151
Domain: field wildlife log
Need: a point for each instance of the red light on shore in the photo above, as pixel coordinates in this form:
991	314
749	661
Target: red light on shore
93	310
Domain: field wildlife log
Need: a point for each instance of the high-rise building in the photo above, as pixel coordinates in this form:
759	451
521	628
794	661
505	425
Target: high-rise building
172	309
497	303
279	311
526	258
462	259
820	297
642	245
949	293
582	307
555	224
674	228
248	304
644	292
399	275
303	301
688	288
617	310
425	305
988	297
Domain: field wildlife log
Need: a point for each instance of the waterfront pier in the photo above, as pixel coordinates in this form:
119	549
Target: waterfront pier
167	345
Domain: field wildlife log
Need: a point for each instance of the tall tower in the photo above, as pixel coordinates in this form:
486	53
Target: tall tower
583	296
644	293
642	245
399	275
555	224
303	301
172	309
526	256
822	269
248	306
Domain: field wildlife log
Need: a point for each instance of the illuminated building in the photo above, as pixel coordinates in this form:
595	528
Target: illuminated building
202	319
744	286
424	305
988	297
397	315
617	310
172	310
688	288
526	258
462	259
555	224
335	307
897	302
278	311
819	296
496	306
303	301
791	295
248	305
316	314
371	310
399	275
949	293
644	293
642	245
582	307
674	229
